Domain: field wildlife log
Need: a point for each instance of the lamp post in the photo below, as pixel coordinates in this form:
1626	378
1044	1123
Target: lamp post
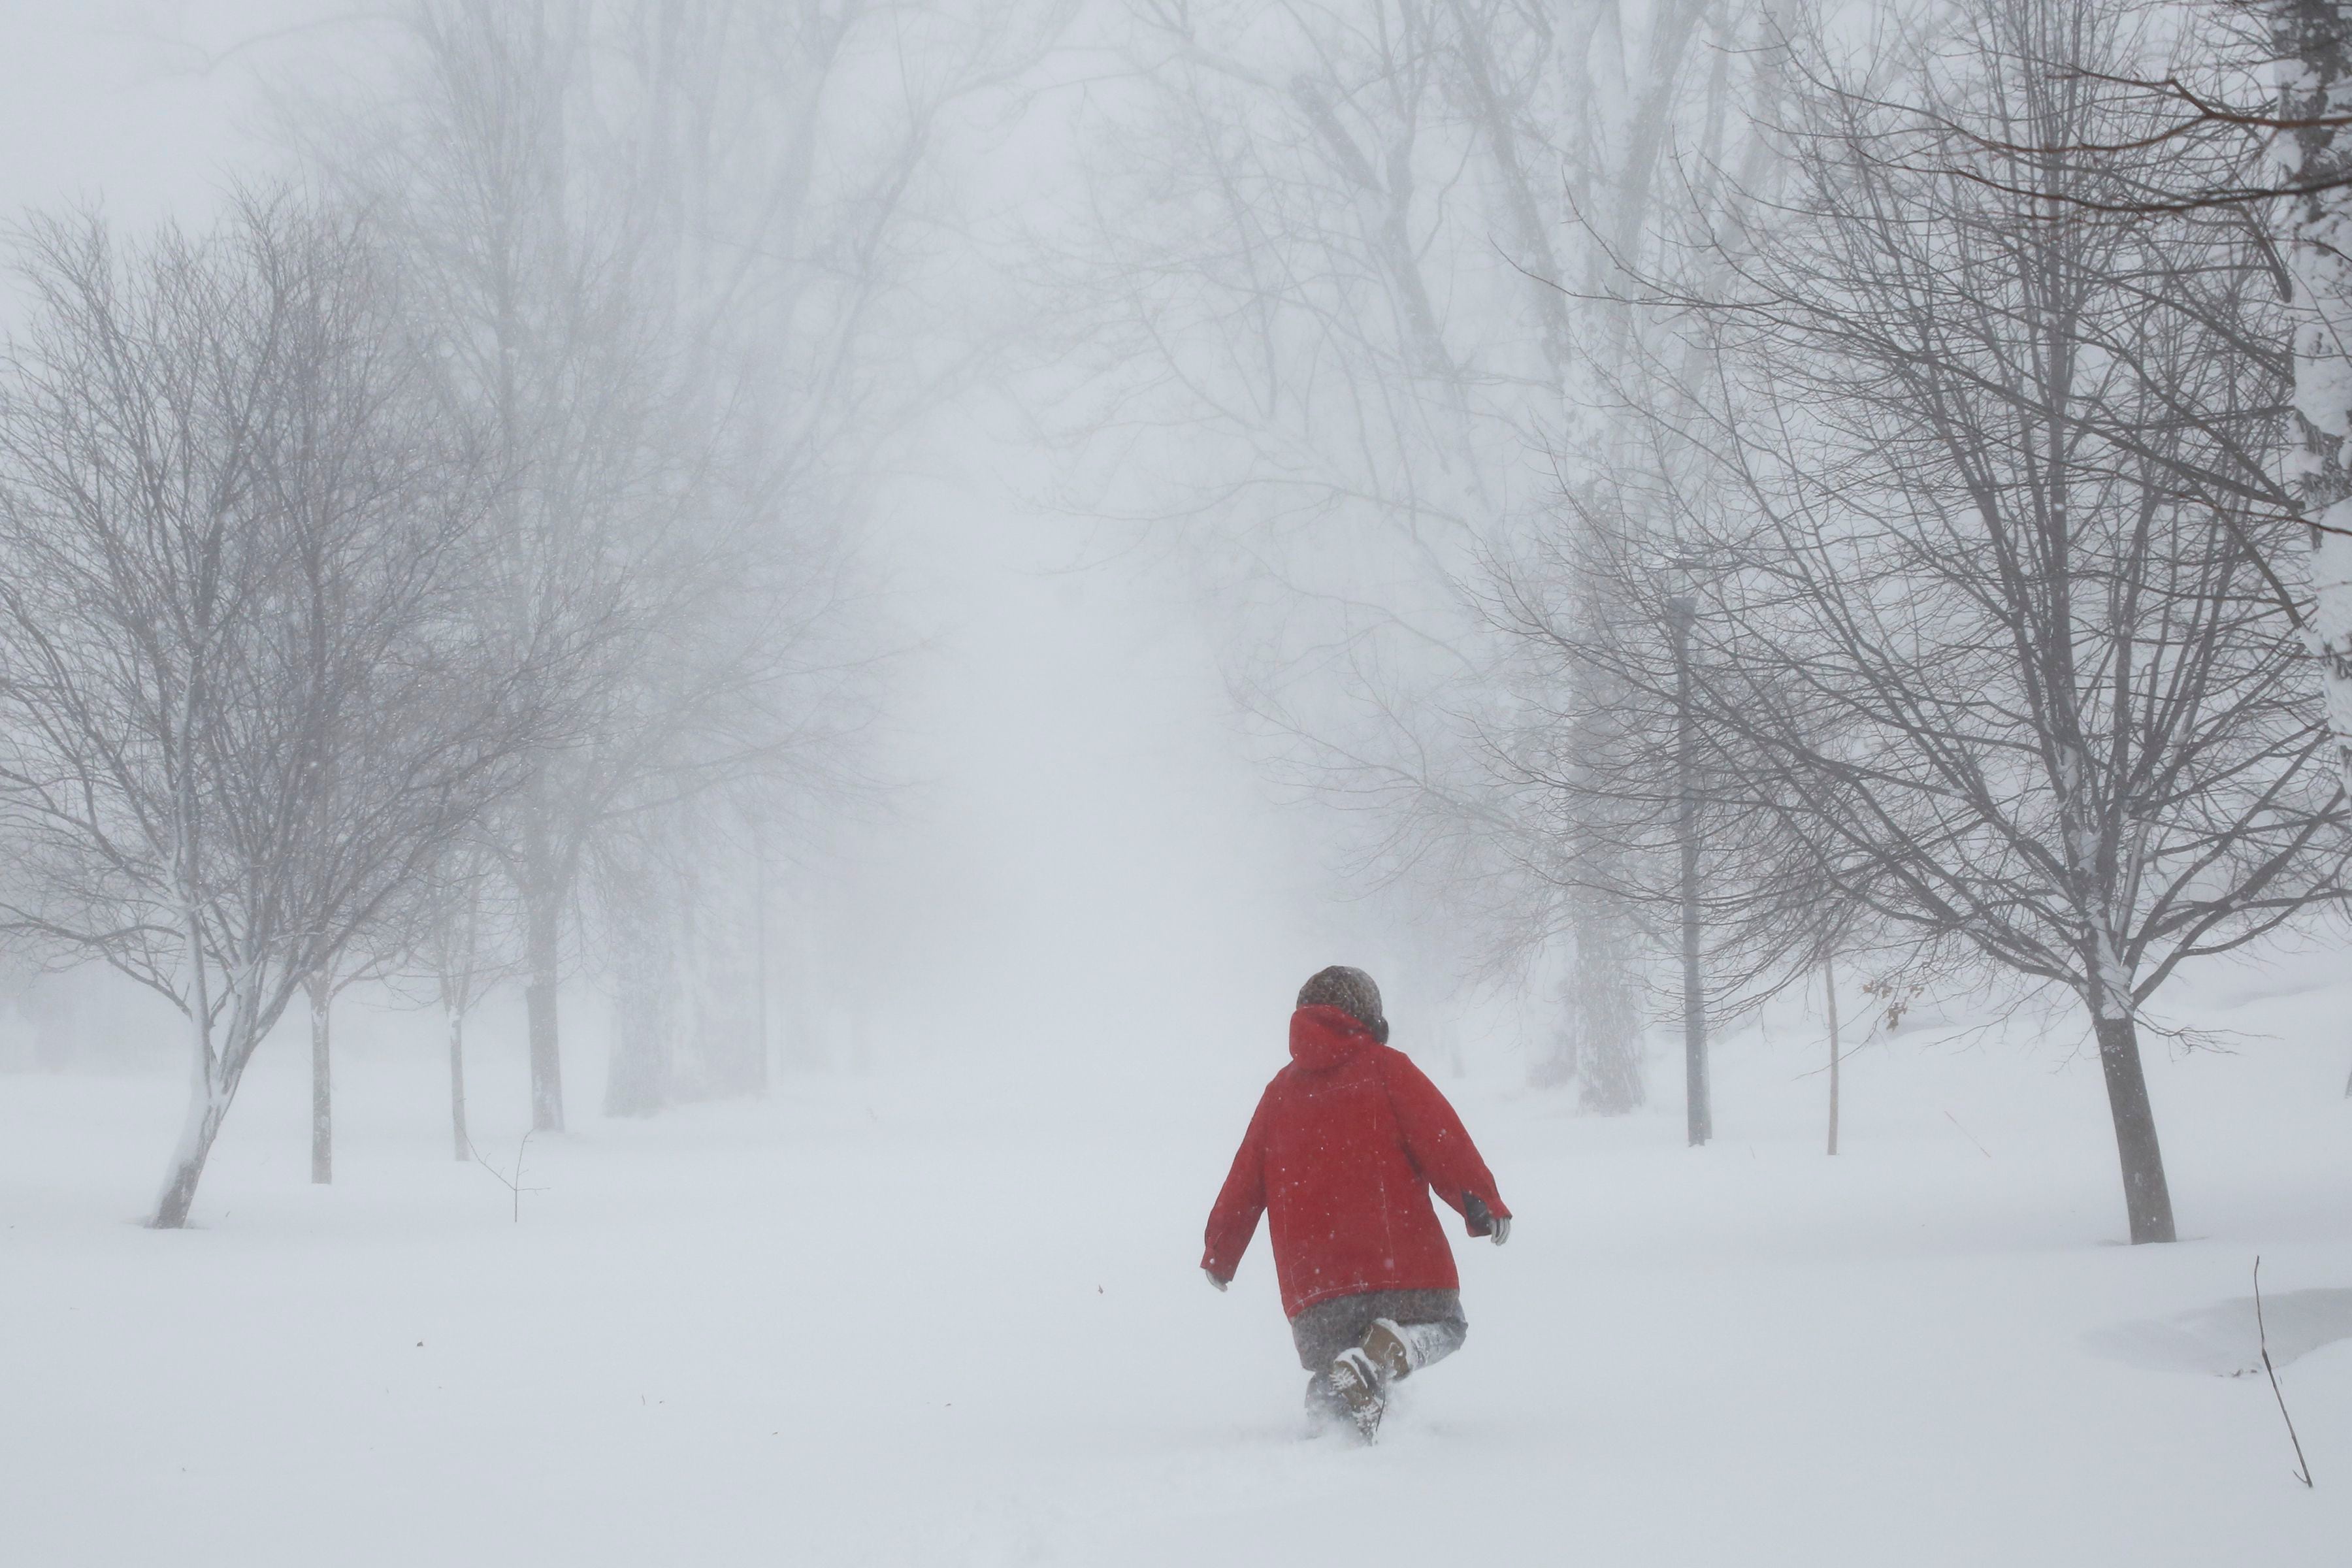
1682	613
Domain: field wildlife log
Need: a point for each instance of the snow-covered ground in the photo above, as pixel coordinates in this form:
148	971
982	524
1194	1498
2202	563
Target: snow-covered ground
950	1315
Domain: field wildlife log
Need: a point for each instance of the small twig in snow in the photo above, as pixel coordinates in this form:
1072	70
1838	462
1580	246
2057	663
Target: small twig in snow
513	1184
2262	1331
1967	1134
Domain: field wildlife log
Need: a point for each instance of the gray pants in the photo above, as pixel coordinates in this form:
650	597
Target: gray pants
1326	1328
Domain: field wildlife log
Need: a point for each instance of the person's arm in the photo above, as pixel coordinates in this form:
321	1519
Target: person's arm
1440	1148
1234	1220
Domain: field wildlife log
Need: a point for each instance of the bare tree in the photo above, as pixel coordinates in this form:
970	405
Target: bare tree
461	927
1995	643
2252	120
2249	118
244	703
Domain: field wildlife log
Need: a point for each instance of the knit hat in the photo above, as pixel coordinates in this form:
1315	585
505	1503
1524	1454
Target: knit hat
1352	992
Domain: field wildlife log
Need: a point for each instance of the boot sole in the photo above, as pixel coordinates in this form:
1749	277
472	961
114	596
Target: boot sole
1355	1381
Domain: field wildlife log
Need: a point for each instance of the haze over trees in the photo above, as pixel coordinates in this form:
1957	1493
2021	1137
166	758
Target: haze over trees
1716	491
1332	265
1987	634
446	568
1686	497
666	258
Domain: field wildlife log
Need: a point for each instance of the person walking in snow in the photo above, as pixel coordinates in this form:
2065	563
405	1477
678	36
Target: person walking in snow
1346	1145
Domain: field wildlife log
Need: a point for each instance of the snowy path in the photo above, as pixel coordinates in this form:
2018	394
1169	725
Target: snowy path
898	1322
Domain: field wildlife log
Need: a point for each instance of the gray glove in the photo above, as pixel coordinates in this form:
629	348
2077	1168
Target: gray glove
1211	1275
1502	1232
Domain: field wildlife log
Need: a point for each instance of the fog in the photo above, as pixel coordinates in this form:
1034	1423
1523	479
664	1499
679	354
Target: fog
1080	838
1066	821
728	729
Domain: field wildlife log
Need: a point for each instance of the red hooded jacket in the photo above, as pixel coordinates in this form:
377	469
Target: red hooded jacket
1340	1157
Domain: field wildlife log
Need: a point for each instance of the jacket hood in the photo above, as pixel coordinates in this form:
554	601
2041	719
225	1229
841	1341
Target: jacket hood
1322	1037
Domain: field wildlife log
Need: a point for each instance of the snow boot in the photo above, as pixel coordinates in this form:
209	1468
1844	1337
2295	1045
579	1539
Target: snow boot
1356	1381
1360	1376
1391	1348
1326	1411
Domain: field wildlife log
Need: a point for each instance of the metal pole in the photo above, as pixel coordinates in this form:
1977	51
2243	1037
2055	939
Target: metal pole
1701	1115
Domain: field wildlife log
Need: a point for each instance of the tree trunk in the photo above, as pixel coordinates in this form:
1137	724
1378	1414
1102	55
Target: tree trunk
1700	1112
207	1102
2146	1197
546	1060
1559	1067
1829	989
2317	37
322	1086
213	1086
636	1075
761	1081
205	1113
1606	1015
543	955
462	1144
206	1106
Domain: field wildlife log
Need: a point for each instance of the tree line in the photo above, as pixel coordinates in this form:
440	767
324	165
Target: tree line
1926	418
1717	492
440	568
